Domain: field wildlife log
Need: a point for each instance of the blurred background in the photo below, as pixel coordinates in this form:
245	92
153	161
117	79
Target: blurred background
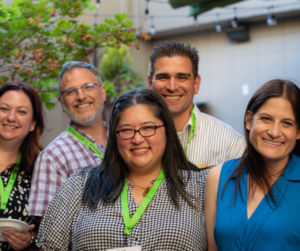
242	44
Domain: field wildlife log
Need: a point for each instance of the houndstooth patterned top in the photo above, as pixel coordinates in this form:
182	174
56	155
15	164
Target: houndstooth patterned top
70	225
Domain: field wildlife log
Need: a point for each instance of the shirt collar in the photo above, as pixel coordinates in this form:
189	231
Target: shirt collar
82	133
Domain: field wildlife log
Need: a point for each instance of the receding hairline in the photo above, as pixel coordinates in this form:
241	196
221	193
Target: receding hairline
75	68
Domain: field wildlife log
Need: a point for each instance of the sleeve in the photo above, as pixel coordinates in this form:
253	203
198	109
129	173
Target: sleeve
237	148
48	176
56	226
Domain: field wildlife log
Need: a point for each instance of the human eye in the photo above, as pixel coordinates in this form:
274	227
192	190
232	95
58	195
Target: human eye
266	119
148	128
182	78
71	91
288	123
22	112
162	77
3	109
89	86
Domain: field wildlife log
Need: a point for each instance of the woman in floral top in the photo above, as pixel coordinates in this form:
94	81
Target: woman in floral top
21	125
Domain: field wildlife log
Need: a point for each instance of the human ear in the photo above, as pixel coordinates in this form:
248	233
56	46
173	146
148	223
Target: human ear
248	120
32	127
298	134
150	82
197	84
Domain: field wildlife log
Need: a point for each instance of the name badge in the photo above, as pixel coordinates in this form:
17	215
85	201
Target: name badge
136	248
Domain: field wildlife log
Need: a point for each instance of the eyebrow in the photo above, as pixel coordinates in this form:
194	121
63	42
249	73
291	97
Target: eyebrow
144	123
18	106
266	114
181	74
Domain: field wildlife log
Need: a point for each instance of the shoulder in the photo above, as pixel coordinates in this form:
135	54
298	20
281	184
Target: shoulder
210	120
59	145
78	179
197	176
227	167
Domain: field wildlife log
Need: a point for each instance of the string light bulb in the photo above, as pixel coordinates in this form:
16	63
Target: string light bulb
152	27
147	11
234	23
271	19
195	20
218	25
98	4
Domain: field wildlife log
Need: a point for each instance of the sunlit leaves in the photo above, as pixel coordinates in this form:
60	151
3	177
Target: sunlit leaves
41	35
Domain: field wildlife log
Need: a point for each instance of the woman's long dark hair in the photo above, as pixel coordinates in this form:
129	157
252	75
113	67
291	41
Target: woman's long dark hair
31	145
107	181
257	171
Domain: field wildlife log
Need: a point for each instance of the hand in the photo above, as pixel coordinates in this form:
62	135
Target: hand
18	240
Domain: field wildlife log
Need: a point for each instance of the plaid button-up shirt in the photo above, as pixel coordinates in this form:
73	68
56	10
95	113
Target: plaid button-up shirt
55	164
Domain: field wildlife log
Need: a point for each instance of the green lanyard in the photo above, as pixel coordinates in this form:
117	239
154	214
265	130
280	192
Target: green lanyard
85	141
4	194
130	223
193	129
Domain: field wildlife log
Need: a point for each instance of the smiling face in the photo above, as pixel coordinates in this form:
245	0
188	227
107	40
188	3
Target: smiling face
84	108
173	79
141	153
16	116
273	130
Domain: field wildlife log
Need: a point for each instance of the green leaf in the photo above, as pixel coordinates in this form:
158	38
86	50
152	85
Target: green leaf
93	8
50	105
127	23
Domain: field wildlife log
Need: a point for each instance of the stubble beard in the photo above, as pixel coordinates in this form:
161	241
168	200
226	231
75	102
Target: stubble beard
84	120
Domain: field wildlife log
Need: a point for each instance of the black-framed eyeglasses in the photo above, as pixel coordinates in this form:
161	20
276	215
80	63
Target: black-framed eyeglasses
85	88
145	131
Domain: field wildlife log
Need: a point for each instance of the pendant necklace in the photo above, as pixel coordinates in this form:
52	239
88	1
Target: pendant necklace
146	190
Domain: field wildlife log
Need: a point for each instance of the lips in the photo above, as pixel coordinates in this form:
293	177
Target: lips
81	106
9	126
139	150
172	97
273	143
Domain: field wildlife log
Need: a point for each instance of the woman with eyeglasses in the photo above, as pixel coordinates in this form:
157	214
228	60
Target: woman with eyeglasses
253	203
145	195
21	126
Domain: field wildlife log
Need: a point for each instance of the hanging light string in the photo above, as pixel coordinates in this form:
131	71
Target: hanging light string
218	25
241	10
98	4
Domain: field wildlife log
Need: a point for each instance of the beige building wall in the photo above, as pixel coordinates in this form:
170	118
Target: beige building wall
228	69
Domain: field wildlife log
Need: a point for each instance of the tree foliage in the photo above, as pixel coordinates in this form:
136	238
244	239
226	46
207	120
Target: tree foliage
117	73
38	36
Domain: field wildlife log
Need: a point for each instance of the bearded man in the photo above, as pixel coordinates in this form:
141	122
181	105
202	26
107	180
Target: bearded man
82	96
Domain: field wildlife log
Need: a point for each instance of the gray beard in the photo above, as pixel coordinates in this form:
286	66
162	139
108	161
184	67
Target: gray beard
85	121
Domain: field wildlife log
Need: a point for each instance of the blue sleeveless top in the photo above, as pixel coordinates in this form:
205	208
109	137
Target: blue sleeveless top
272	226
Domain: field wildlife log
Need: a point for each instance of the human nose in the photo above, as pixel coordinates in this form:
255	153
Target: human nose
80	94
137	138
11	116
172	85
275	130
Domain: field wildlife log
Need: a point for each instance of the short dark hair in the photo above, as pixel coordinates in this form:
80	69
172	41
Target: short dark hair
69	66
107	181
168	49
31	145
276	88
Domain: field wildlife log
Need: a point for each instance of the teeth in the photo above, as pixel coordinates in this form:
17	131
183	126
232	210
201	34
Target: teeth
140	150
83	106
273	143
14	127
172	97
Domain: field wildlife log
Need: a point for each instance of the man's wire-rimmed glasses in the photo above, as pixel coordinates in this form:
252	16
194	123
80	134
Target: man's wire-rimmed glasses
85	88
145	131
